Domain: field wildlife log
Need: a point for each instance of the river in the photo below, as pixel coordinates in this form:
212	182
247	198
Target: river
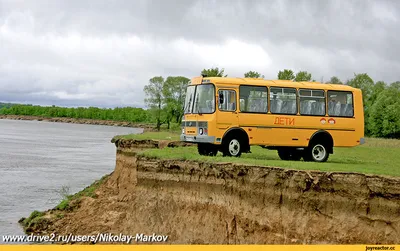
40	161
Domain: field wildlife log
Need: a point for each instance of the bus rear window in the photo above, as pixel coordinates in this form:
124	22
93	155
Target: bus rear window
340	104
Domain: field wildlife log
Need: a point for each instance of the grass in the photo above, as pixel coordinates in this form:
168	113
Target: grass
34	217
87	192
377	156
162	135
37	217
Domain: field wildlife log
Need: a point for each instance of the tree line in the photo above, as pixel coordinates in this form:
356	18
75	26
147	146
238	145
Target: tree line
5	105
129	114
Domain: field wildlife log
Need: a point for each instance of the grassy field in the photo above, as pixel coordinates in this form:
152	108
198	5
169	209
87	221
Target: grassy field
161	135
377	156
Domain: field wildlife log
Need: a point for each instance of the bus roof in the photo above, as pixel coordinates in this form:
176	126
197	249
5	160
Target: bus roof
263	82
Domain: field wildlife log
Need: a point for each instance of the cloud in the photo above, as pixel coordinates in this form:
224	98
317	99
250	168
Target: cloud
102	53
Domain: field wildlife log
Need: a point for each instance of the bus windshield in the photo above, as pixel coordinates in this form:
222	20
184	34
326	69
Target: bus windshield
200	99
189	99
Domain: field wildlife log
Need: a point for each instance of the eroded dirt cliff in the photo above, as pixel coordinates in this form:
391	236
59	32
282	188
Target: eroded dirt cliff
222	203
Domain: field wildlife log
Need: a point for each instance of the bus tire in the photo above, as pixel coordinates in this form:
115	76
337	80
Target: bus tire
207	149
289	154
317	151
232	146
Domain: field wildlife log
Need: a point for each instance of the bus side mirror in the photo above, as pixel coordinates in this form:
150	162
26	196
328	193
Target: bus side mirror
221	98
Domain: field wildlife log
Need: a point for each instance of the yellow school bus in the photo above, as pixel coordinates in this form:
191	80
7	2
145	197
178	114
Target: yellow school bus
298	119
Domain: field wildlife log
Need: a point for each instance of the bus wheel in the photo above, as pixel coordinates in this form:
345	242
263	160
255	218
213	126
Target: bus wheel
316	152
289	154
207	149
232	146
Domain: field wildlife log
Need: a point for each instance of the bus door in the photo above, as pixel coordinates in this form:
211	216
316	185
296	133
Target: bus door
227	113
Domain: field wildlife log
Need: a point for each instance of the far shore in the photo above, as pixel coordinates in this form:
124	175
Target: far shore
79	121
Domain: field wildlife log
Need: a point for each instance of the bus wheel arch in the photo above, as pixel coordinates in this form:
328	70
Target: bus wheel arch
319	147
235	138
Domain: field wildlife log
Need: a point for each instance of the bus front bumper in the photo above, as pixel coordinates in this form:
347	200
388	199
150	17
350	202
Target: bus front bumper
198	138
362	141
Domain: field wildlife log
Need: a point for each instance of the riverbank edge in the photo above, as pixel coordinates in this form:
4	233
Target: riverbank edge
146	127
40	223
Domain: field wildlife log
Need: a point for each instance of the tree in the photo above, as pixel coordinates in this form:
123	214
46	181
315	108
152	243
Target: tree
155	98
335	80
366	84
174	91
253	74
384	119
363	82
302	76
213	72
286	74
376	90
395	85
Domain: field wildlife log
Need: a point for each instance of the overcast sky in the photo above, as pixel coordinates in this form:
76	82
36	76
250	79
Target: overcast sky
102	53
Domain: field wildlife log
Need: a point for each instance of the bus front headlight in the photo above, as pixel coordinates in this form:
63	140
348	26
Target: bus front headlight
183	130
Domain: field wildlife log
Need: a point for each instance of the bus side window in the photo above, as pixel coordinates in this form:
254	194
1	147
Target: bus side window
340	104
227	100
253	99
283	100
312	102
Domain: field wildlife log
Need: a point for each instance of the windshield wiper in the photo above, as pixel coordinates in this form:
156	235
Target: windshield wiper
188	104
197	104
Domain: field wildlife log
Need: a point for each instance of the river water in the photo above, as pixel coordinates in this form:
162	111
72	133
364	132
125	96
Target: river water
40	161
